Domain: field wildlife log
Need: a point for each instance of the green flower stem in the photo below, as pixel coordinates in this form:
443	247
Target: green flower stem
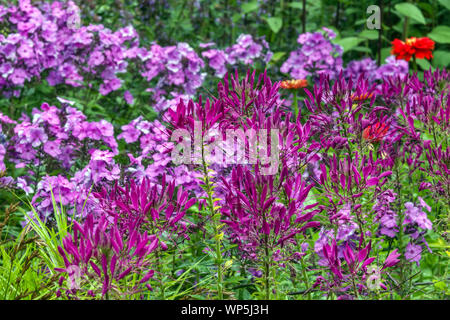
399	203
405	28
295	105
267	270
161	282
216	225
158	268
305	277
355	290
415	64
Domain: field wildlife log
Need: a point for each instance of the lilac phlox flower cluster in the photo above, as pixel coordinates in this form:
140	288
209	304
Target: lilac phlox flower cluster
154	156
168	102
6	124
385	215
368	67
58	187
50	38
2	156
316	55
59	139
179	68
101	166
74	193
58	133
413	253
245	51
415	215
217	61
392	67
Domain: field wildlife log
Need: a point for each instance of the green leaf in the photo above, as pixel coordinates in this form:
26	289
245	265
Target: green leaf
440	285
236	17
369	34
249	7
360	22
440	34
349	11
277	56
385	52
441	58
426	7
45	88
186	25
296	5
424	64
411	11
362	49
398	27
348	43
445	3
275	23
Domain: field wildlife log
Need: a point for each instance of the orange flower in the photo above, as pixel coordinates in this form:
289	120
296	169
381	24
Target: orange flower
294	84
420	47
376	132
361	97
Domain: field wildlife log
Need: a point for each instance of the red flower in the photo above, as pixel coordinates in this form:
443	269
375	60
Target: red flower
375	132
424	47
401	50
420	47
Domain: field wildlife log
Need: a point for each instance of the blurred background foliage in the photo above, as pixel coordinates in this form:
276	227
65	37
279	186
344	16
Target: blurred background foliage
169	22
